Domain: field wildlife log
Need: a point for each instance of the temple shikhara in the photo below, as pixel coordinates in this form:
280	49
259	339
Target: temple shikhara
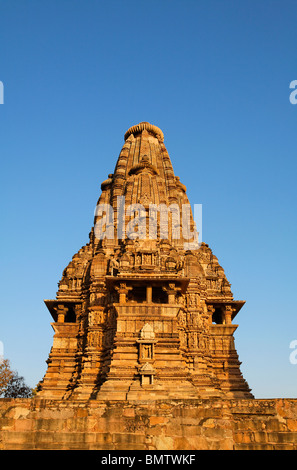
143	310
143	354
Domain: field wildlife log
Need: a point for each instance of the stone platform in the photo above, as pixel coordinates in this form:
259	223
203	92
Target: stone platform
206	424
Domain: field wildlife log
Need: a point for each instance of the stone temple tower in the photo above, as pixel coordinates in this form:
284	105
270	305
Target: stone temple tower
143	311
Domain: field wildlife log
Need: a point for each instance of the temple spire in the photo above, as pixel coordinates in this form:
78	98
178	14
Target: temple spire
144	175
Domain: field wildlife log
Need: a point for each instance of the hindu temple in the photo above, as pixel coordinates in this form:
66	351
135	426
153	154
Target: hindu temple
143	310
143	355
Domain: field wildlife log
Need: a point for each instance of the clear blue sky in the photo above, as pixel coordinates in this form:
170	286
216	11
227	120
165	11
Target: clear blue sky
214	75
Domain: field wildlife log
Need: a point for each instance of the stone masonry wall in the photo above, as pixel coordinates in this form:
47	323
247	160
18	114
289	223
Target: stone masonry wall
210	424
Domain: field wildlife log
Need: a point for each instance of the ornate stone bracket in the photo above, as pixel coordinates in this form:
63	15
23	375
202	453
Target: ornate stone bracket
123	290
171	292
61	312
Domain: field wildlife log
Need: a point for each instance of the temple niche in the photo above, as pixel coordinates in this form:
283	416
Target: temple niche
143	310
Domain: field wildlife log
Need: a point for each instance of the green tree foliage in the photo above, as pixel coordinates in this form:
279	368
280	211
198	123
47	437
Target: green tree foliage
16	388
5	375
11	384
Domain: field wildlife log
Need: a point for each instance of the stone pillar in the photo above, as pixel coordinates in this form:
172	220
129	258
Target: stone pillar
228	314
123	290
149	294
171	292
61	312
211	310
